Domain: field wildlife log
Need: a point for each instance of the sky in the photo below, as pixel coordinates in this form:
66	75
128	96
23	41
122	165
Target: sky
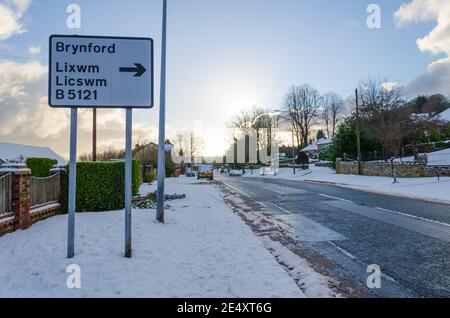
223	55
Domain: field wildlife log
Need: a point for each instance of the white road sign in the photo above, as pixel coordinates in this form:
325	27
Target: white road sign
103	72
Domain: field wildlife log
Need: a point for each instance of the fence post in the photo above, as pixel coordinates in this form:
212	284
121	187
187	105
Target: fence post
338	165
21	177
63	185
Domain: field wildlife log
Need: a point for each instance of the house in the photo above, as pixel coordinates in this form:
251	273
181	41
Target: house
314	149
19	153
148	154
445	115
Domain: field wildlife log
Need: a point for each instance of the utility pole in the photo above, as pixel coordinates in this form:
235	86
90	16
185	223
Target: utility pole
162	121
94	135
293	149
192	151
358	133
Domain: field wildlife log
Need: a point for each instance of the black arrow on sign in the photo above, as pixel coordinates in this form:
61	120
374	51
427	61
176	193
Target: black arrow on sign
139	70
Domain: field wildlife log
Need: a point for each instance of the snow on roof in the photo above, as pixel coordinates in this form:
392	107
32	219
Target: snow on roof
14	151
312	147
445	115
315	145
324	141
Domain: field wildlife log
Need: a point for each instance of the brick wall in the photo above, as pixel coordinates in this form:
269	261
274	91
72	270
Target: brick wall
23	216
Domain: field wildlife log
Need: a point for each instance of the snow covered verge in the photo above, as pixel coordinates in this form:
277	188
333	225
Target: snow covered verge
203	250
430	189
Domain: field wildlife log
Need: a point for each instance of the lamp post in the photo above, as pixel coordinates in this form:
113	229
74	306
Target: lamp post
358	133
293	149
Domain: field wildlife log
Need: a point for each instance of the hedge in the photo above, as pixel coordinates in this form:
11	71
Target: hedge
149	177
40	167
100	185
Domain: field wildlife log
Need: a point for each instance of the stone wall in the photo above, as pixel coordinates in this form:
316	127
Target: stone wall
382	169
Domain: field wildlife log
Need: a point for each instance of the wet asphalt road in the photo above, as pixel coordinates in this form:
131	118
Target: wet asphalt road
408	239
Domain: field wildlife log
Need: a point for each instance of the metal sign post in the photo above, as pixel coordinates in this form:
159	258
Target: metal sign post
128	172
162	122
72	182
100	72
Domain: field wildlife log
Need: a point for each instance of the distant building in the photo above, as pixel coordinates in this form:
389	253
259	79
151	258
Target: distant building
19	153
445	115
315	148
148	154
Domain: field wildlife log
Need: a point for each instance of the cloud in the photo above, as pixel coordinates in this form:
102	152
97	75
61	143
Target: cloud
14	78
390	85
11	14
435	79
25	116
418	11
34	49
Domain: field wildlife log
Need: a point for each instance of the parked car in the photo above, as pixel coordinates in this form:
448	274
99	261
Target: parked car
206	172
190	174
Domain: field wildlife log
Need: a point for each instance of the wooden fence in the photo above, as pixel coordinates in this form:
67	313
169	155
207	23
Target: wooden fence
45	190
5	193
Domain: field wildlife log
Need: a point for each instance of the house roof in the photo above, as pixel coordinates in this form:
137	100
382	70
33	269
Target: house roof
445	115
10	151
311	147
324	141
315	145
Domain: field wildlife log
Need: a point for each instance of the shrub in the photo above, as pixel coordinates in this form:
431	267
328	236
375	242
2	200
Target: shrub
170	166
325	154
40	167
101	185
136	177
149	177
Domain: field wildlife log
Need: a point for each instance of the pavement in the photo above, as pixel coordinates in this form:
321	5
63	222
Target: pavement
351	229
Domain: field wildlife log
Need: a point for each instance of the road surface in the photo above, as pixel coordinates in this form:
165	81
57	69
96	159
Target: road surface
408	239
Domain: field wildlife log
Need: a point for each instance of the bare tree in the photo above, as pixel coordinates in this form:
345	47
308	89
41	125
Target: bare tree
301	109
416	125
104	155
247	119
182	143
195	146
380	104
333	107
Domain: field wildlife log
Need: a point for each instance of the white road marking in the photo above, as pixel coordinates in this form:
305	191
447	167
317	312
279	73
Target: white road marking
242	192
413	216
281	208
335	198
342	250
263	204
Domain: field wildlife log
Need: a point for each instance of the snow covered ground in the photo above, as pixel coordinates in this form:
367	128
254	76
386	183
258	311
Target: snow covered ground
419	188
204	250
